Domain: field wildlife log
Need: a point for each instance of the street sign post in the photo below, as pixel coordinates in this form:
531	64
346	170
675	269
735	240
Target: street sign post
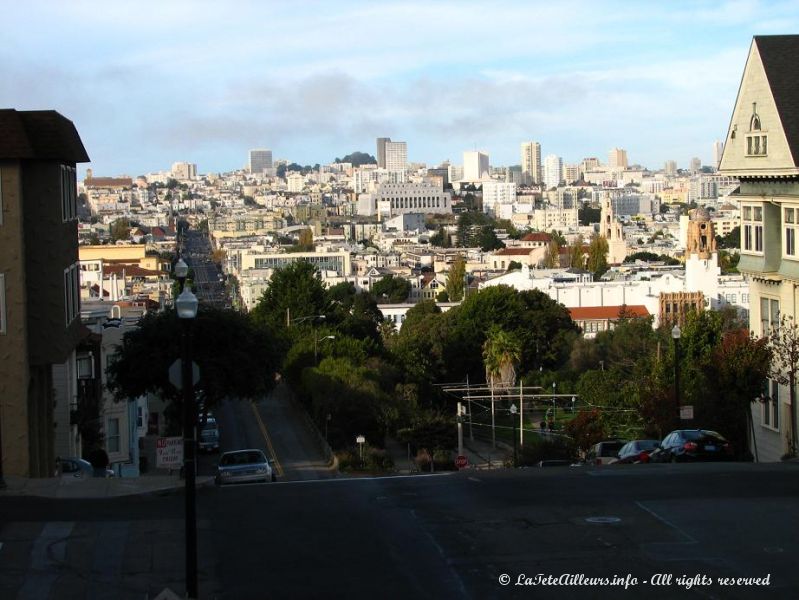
169	453
461	462
686	412
175	376
360	440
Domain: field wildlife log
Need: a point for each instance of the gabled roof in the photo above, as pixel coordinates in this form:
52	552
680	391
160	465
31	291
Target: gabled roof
537	236
780	57
514	252
39	134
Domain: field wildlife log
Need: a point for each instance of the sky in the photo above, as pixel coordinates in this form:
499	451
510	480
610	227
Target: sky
149	83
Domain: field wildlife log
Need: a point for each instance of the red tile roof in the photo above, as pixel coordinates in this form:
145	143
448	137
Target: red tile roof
606	312
514	252
537	236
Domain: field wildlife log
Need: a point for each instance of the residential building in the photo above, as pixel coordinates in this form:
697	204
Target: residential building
396	156
762	150
531	162
553	171
617	158
571	173
496	193
183	171
695	165
594	319
670	168
259	161
475	166
39	300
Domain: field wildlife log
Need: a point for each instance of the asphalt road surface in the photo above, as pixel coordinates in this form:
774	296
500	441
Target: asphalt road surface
197	254
440	536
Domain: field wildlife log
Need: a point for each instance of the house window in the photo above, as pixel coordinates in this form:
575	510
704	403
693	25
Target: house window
769	315
790	226
3	326
771	405
112	435
71	293
756	145
69	194
85	366
752	222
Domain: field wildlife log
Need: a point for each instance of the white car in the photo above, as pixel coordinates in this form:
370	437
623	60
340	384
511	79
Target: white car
73	468
244	466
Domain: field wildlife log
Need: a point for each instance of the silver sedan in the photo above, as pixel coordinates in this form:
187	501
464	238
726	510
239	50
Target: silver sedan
242	466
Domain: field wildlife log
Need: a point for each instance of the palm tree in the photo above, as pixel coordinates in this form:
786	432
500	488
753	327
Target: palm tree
502	353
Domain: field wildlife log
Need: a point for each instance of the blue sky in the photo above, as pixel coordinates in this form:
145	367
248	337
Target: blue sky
148	83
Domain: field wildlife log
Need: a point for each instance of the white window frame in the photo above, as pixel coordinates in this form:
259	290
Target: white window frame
3	324
117	437
771	318
790	228
752	229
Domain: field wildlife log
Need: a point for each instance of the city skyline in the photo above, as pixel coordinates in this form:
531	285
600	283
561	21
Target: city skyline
148	85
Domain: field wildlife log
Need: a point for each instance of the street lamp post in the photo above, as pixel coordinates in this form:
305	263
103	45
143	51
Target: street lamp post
186	305
513	412
316	341
676	334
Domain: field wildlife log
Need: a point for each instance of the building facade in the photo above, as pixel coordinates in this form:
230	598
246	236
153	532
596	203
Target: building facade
39	301
259	160
531	162
762	151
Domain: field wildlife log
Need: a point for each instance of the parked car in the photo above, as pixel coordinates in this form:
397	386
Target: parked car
78	468
209	440
691	445
241	466
637	451
602	453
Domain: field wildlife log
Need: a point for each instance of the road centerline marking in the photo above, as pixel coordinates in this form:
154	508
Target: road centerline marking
265	433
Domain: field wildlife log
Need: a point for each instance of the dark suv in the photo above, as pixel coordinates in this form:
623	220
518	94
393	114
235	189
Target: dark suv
693	445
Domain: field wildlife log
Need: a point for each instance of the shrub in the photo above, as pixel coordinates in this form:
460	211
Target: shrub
548	448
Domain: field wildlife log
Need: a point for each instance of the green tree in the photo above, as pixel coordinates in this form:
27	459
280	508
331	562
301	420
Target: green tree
225	345
576	259
552	256
731	241
597	256
514	265
783	341
391	289
120	230
502	353
456	279
295	291
588	215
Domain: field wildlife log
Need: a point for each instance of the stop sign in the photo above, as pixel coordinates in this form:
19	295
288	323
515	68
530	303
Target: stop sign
461	461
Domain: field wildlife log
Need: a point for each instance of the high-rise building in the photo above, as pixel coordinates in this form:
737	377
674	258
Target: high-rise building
571	173
718	150
588	164
553	169
531	161
696	165
617	158
396	157
259	160
670	167
183	171
381	152
475	165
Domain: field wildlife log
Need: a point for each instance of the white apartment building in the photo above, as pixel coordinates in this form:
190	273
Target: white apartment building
617	158
496	193
183	171
571	173
547	219
392	199
295	182
396	156
366	179
553	169
475	166
531	162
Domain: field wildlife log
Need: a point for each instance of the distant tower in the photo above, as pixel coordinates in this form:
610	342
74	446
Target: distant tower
718	150
475	165
396	156
696	165
260	159
531	162
617	158
701	258
670	167
612	231
553	171
381	152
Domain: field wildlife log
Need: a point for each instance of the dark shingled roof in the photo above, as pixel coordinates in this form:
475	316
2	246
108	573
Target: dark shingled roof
780	56
39	134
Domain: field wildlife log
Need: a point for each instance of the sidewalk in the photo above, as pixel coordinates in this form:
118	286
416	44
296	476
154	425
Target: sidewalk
96	487
480	455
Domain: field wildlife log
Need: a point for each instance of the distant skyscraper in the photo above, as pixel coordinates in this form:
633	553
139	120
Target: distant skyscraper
670	167
531	161
617	158
183	171
396	158
718	150
696	164
475	165
381	152
571	173
260	159
553	170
